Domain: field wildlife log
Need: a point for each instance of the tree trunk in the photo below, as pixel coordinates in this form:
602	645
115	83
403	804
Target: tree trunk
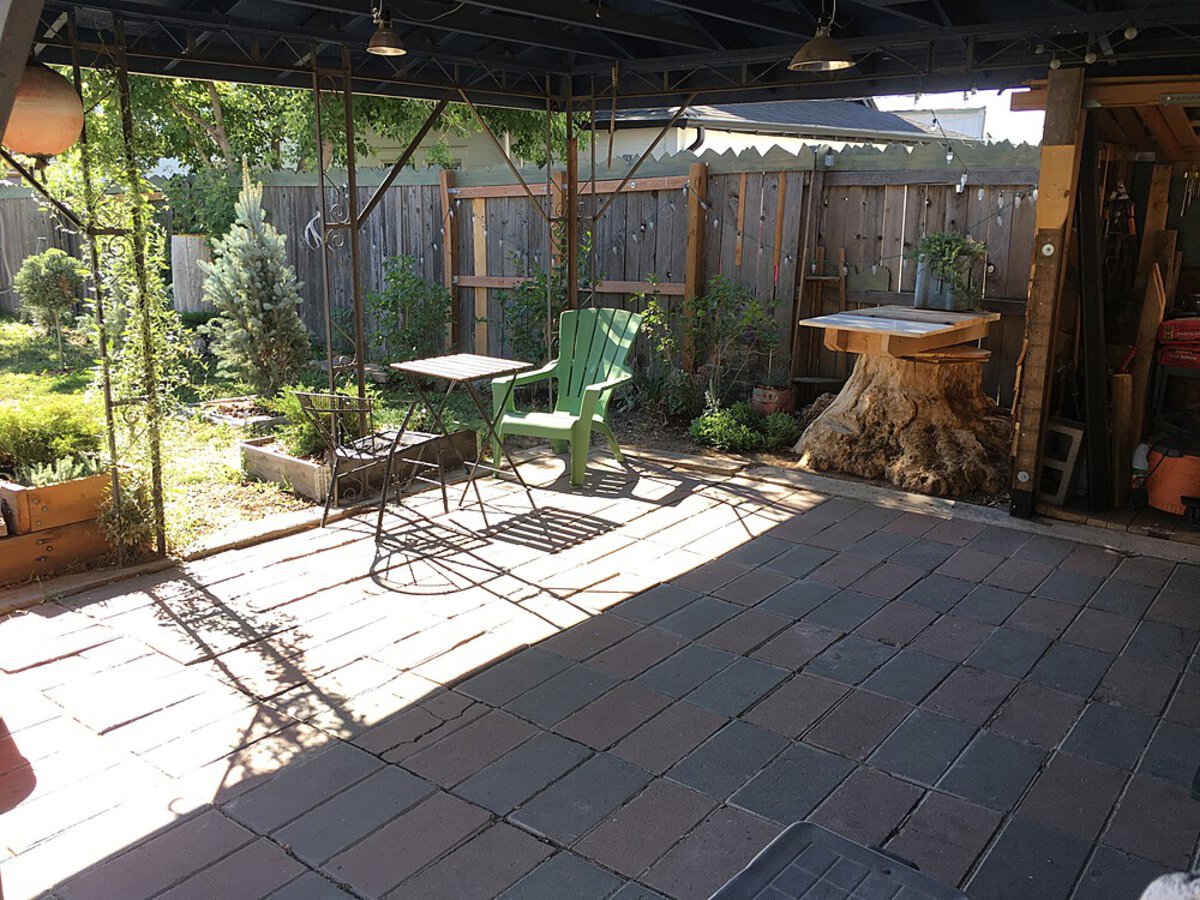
924	426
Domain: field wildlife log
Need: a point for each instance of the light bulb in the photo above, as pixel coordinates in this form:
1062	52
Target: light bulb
1089	57
1130	32
1055	62
949	156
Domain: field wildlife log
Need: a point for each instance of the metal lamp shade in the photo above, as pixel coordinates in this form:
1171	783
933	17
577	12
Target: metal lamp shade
47	114
821	54
385	42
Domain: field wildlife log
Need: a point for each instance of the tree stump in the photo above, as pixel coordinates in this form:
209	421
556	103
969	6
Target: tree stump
923	425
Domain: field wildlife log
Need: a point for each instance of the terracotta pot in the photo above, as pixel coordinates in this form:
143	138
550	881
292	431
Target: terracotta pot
767	400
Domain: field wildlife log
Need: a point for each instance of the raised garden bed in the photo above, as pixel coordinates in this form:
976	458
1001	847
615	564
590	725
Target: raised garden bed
244	413
50	528
265	460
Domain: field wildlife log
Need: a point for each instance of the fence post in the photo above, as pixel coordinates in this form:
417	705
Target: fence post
450	255
479	250
694	265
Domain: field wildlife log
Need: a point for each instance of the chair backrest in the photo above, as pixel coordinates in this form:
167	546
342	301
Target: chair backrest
333	415
593	345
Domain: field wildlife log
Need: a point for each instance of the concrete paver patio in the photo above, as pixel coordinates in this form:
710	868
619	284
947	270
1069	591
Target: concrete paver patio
626	692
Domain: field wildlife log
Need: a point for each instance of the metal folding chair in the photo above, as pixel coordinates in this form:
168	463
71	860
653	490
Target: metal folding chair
347	427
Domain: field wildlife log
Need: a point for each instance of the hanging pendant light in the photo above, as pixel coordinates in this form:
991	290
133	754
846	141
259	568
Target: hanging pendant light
47	114
384	42
822	53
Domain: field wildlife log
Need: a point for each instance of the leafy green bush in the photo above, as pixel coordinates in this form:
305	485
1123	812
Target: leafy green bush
134	528
65	468
202	202
735	429
668	392
411	315
739	428
781	430
729	330
48	284
300	437
38	433
197	318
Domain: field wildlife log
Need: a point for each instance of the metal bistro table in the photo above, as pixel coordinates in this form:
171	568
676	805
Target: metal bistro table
456	369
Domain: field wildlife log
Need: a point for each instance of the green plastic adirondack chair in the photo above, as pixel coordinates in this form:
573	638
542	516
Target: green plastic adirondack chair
593	347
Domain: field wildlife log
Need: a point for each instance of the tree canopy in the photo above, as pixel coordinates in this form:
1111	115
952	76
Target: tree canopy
217	124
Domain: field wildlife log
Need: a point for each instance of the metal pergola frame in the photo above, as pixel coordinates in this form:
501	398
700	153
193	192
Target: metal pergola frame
636	52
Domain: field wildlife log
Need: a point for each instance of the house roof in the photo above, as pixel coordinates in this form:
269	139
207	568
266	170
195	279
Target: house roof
818	118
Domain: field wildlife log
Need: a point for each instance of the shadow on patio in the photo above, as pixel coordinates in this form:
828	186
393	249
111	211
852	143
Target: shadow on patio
624	690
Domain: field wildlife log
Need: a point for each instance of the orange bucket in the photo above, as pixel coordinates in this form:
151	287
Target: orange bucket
1174	473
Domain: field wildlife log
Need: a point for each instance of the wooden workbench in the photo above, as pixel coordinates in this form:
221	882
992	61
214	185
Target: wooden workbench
913	411
900	331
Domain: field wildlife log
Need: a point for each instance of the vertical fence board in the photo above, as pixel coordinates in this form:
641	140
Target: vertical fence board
893	233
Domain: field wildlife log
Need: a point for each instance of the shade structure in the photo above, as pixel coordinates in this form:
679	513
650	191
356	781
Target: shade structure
634	54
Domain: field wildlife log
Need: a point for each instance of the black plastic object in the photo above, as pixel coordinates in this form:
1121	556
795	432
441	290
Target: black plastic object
808	861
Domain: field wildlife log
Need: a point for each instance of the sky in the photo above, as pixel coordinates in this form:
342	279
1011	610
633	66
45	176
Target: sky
1001	123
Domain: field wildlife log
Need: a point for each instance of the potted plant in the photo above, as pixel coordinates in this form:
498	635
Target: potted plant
946	277
774	394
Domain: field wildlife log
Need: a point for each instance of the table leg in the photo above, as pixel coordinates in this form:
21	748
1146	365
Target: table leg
490	420
387	471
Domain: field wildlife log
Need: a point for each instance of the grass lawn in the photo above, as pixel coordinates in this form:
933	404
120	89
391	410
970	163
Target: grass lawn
205	490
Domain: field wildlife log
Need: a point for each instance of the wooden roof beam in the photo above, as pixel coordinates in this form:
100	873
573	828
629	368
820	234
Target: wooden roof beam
1163	135
1131	125
1114	93
1181	126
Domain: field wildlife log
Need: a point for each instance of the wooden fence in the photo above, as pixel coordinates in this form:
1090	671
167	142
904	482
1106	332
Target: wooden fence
24	231
753	225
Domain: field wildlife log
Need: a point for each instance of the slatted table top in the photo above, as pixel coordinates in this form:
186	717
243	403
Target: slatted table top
458	367
901	320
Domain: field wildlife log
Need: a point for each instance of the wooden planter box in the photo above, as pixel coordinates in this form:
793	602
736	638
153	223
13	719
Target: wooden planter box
310	478
50	527
208	409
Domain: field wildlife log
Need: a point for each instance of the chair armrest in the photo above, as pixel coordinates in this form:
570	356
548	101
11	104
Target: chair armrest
603	386
504	388
524	378
593	392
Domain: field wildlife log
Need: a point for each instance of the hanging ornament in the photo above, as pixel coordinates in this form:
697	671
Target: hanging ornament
47	114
